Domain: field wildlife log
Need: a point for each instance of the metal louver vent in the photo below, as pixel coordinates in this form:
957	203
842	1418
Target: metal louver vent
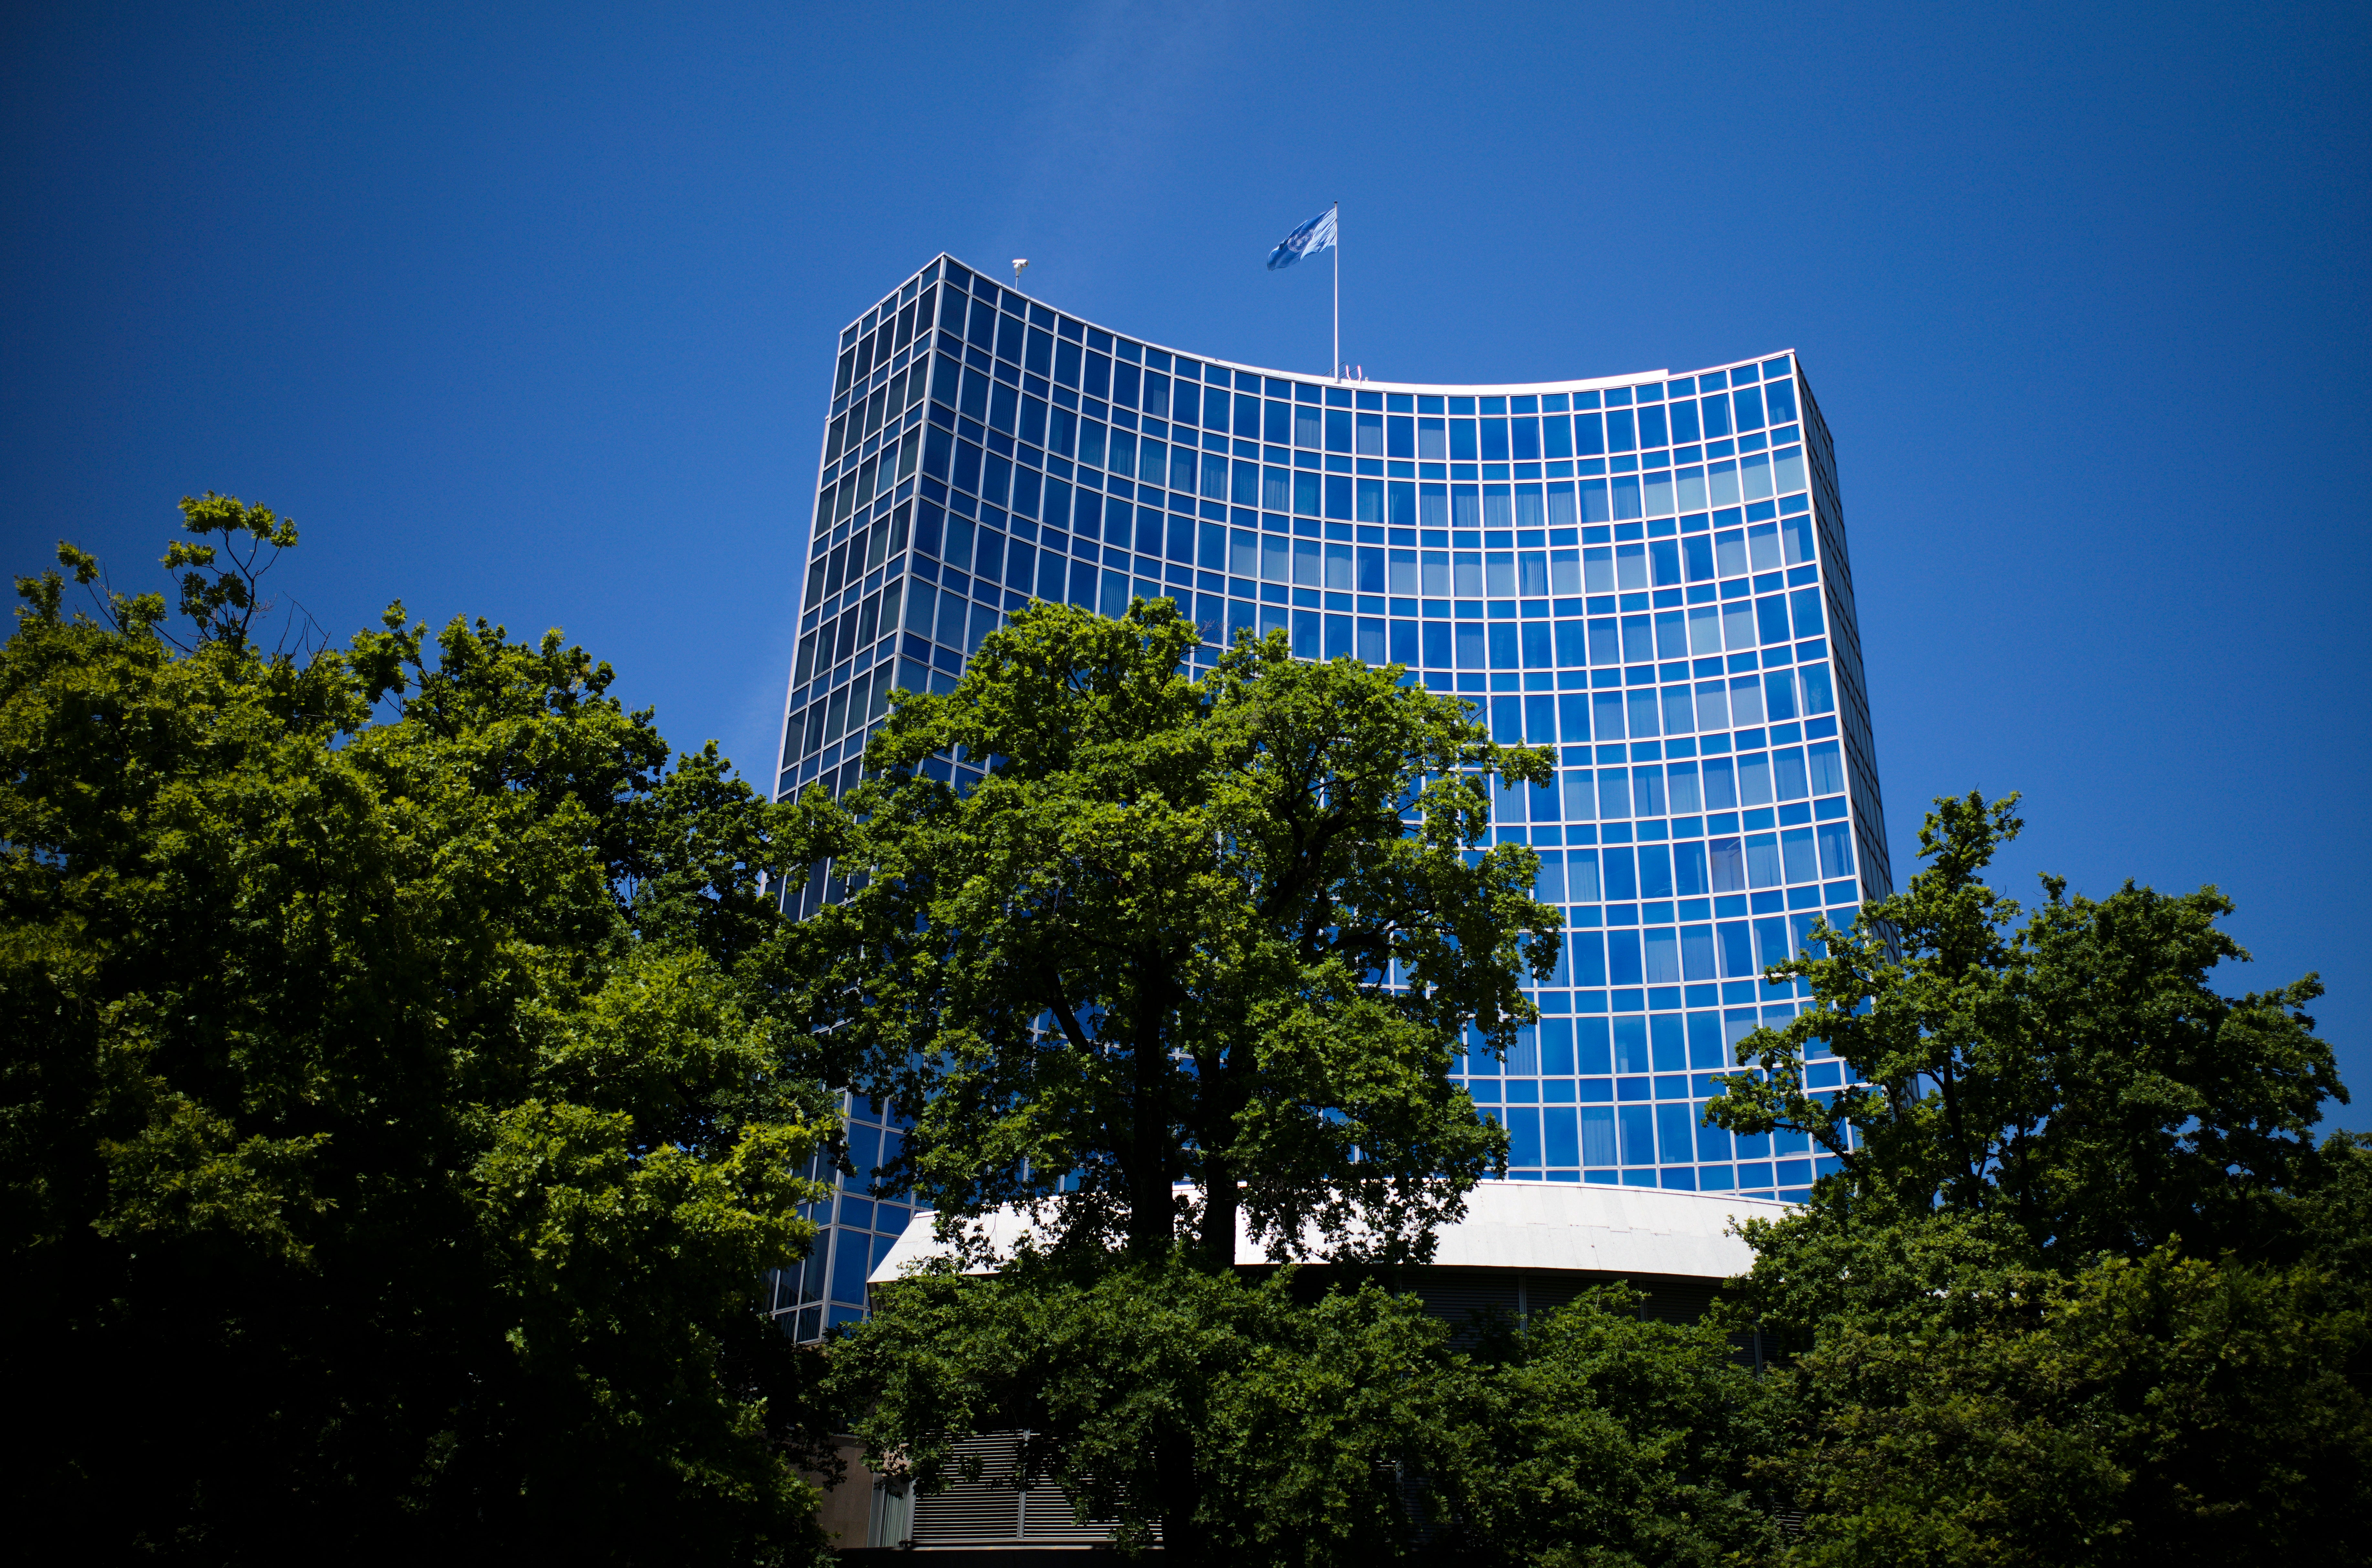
974	1513
991	1512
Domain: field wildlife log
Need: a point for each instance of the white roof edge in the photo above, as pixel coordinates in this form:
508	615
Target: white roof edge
1493	389
1543	1225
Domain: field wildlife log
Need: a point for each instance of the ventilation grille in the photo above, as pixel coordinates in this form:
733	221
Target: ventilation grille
991	1512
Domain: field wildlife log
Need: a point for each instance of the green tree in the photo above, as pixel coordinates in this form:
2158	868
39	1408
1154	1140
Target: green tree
1593	1435
1158	943
2076	1075
1335	1427
1194	950
1215	1414
2081	1290
1956	1404
395	1129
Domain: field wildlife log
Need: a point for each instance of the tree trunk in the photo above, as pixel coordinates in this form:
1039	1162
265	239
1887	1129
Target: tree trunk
1184	1543
1221	1201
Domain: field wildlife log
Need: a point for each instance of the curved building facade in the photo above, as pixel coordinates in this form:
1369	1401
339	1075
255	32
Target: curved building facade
1648	572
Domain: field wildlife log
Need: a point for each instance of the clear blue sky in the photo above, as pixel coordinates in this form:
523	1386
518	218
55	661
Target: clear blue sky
529	312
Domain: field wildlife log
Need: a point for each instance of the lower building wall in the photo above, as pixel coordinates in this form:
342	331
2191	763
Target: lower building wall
844	1508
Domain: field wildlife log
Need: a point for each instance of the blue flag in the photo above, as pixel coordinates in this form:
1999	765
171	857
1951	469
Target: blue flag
1308	241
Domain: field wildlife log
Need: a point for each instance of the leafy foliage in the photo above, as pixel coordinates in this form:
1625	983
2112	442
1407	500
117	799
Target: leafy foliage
2076	1077
1151	946
1246	1420
2084	1290
1593	1435
395	1129
2162	1410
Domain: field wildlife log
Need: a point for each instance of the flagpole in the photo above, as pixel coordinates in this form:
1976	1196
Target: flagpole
1337	249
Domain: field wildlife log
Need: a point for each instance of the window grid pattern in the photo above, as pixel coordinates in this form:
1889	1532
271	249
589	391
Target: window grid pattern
1650	577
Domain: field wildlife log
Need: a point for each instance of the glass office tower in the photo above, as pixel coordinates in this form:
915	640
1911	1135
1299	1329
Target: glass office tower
1646	572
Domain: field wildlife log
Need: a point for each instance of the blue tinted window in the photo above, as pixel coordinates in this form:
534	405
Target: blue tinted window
1748	404
1836	849
1436	645
1009	339
1664	555
1781	398
1698	551
1676	1132
1597	1135
1828	773
1462	440
1591	1052
1696	951
1704	1038
1630	1045
1716	416
1494	440
1668	1040
1619	435
1215	548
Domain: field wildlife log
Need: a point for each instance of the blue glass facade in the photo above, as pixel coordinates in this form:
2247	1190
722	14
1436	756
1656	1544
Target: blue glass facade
1645	572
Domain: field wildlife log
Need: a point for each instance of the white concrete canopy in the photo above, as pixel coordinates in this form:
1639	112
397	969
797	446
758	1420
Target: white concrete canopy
1557	1225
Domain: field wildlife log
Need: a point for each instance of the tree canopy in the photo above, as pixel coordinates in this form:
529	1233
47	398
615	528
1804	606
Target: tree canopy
1223	932
1281	1421
397	1132
409	1087
2084	1289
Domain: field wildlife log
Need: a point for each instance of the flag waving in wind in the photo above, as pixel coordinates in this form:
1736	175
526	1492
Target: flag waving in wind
1308	241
